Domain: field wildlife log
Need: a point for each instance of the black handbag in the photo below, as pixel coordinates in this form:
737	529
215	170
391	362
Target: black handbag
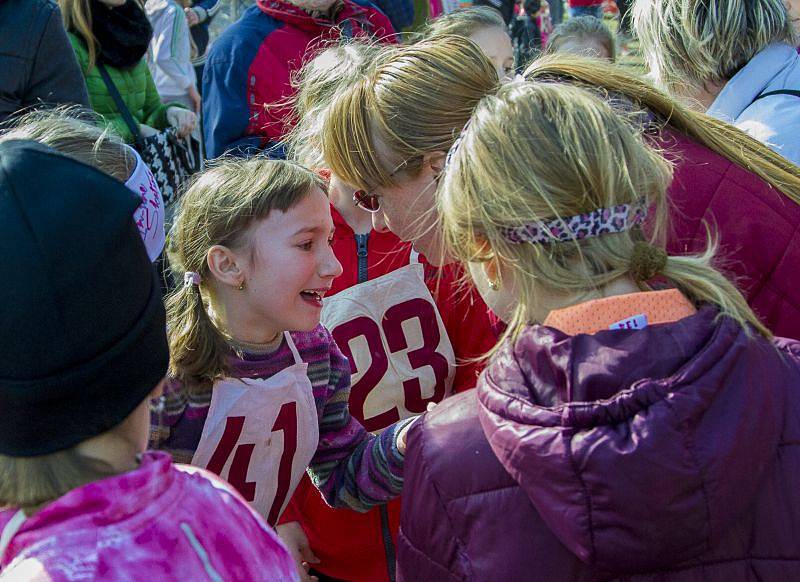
171	159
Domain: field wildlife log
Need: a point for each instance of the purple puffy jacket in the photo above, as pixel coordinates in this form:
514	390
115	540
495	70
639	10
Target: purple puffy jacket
670	453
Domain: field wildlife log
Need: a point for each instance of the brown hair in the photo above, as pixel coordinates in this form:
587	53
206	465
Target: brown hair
218	209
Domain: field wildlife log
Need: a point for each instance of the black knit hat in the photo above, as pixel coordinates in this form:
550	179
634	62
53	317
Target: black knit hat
82	323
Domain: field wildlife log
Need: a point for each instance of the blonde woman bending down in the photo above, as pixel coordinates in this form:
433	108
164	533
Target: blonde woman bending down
619	429
735	59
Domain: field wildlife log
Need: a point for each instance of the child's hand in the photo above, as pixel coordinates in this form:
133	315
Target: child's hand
293	535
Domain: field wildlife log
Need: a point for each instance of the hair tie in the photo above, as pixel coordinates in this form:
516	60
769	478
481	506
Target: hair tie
191	278
647	261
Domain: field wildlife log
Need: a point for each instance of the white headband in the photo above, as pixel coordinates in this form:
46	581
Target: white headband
149	216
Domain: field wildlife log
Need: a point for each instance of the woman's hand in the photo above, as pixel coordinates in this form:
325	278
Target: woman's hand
181	119
294	537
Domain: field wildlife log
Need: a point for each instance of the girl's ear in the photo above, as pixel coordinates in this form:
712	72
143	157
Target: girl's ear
225	265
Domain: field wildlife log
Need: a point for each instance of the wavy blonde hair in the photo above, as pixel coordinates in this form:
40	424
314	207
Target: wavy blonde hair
218	209
541	151
693	42
415	100
718	136
317	84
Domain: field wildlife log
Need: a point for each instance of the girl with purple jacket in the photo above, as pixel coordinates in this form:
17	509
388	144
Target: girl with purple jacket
82	326
637	420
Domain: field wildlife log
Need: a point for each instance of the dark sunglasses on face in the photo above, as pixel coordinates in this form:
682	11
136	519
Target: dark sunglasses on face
366	201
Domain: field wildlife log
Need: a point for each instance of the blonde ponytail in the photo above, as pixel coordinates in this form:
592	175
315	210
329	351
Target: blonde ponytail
537	152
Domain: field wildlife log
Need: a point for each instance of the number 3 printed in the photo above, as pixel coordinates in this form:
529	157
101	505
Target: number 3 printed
237	475
425	355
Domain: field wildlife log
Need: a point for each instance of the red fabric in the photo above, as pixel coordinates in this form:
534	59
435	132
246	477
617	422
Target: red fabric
286	49
576	3
349	544
758	228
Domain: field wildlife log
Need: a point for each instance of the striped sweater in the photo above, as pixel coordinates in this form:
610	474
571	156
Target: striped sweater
351	468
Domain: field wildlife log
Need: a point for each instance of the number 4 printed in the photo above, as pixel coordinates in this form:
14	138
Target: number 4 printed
237	475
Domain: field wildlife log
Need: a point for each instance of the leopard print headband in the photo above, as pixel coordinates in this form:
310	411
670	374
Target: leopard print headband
595	223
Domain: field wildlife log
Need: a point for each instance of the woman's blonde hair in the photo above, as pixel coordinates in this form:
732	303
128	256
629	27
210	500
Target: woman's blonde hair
77	134
464	22
316	84
544	151
415	100
718	136
693	42
28	483
77	17
218	209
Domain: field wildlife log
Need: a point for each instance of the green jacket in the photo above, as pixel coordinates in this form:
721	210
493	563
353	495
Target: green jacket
136	87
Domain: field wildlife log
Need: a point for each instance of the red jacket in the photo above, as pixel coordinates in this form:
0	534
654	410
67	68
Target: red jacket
249	67
758	229
354	546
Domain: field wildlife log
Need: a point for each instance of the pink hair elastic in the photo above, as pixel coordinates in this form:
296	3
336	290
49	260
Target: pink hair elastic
191	278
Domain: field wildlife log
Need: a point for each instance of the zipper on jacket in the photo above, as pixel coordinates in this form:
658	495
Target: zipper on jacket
361	252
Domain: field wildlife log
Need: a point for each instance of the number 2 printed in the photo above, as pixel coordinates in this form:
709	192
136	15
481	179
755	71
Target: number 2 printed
286	421
425	355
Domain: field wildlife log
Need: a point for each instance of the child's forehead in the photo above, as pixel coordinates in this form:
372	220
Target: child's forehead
312	213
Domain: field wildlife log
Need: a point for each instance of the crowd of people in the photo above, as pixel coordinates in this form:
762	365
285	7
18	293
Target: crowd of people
453	295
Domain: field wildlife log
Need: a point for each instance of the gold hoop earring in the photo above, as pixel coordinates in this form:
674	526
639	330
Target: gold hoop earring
241	286
493	285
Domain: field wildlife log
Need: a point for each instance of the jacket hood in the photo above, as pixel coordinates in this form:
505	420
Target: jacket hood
638	448
299	18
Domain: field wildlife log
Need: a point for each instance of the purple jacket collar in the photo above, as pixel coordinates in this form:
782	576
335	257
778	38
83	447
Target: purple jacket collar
609	433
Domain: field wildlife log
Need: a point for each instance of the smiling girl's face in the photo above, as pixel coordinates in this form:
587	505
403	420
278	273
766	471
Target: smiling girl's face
289	265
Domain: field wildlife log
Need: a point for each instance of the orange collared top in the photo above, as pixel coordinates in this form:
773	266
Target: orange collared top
631	311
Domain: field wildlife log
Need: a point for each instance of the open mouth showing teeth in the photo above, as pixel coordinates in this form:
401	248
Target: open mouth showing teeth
313	296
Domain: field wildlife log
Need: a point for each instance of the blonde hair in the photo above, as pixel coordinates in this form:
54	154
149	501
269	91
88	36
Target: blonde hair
464	22
218	209
718	136
77	134
582	28
542	151
698	41
317	83
415	100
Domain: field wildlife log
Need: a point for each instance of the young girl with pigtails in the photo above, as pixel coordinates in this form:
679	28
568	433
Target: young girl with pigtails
249	399
638	420
410	330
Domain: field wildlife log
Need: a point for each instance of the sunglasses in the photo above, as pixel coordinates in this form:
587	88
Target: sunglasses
366	201
370	202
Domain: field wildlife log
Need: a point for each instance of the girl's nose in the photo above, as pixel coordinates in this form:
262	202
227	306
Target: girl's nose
330	267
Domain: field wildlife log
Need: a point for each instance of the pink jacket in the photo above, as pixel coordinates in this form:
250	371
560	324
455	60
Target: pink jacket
159	522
